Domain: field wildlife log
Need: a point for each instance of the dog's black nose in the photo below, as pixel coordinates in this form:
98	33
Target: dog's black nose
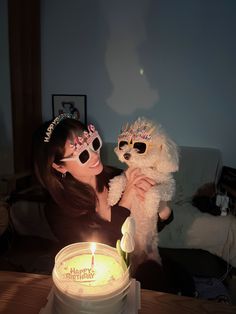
127	156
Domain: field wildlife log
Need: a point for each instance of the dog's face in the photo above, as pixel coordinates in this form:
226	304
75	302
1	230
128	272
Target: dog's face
144	144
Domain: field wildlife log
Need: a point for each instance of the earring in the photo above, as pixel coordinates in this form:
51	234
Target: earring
63	175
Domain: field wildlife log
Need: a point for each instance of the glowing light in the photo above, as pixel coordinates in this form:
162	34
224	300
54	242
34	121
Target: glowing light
93	247
141	71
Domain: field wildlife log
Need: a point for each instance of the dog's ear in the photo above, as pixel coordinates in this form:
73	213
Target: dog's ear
168	159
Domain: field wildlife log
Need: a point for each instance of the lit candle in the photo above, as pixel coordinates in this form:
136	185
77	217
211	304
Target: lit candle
93	249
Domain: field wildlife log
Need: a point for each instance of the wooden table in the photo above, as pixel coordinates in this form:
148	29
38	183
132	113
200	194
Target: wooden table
27	293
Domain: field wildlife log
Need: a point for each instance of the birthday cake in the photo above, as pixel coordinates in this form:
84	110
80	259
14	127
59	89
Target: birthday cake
88	280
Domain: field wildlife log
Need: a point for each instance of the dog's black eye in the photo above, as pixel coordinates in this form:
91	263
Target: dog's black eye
141	147
122	144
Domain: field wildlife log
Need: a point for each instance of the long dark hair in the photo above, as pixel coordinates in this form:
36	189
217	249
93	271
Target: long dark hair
69	193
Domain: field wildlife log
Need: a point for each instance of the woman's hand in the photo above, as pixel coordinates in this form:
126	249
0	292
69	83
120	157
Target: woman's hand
164	210
137	186
165	215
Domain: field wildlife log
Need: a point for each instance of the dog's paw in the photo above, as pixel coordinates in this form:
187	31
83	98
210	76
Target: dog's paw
116	188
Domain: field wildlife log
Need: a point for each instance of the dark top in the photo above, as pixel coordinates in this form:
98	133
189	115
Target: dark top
90	227
86	228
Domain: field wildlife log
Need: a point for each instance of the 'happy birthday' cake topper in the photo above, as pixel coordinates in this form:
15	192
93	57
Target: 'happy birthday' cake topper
81	275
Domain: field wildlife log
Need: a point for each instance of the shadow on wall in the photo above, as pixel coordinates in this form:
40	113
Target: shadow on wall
122	60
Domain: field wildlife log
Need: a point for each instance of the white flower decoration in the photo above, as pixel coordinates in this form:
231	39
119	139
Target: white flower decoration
128	226
127	243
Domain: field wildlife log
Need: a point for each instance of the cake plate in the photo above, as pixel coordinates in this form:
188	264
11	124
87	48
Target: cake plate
132	306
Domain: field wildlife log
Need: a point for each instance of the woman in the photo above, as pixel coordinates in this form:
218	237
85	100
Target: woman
67	163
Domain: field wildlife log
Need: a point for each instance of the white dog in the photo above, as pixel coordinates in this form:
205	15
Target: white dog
144	145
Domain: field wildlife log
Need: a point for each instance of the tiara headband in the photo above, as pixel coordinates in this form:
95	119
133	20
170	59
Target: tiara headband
54	123
140	130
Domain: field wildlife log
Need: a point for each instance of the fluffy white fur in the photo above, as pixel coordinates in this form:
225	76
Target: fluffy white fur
158	163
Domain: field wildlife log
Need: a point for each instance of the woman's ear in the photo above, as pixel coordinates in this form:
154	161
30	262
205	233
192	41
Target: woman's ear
59	168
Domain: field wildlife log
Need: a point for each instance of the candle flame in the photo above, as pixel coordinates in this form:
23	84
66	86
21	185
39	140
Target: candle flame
93	247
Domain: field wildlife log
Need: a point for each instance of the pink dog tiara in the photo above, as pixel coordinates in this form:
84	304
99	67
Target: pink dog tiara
138	131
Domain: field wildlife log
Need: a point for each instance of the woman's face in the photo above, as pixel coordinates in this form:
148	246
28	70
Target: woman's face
84	162
82	155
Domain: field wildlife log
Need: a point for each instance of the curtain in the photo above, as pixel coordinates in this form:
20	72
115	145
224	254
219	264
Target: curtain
25	72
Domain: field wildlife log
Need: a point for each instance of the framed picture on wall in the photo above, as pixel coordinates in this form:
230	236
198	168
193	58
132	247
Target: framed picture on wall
74	104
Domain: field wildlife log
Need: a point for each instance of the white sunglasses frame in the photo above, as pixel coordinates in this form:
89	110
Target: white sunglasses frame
87	147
